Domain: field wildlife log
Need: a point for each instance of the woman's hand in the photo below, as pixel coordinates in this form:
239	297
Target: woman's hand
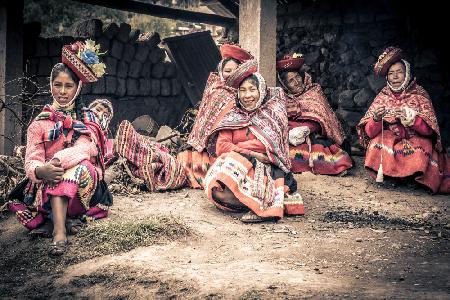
261	157
51	171
378	113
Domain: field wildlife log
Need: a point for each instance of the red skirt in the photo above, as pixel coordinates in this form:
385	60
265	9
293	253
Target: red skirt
330	160
256	190
195	164
408	157
78	185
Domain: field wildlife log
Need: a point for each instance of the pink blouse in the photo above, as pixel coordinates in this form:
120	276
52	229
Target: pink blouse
39	152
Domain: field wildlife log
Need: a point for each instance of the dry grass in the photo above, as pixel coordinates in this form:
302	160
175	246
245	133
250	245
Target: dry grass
112	236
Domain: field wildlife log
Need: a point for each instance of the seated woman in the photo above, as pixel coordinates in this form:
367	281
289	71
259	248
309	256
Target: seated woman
62	162
315	134
252	168
400	130
218	99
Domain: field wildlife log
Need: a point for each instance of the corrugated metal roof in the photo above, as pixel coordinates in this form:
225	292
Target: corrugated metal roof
196	55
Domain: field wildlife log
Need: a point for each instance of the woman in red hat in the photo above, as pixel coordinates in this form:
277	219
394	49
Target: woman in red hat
251	173
218	100
315	134
400	131
64	160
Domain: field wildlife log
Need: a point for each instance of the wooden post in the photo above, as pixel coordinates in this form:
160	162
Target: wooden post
11	68
258	34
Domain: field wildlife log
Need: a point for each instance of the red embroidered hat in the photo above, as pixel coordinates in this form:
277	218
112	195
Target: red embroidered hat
389	57
290	63
243	71
236	52
83	59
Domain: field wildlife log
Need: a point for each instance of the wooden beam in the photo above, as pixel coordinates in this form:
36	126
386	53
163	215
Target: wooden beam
163	12
231	6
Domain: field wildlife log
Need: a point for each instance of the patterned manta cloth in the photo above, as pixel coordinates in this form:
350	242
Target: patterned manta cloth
78	184
149	160
312	105
268	124
414	97
218	99
253	185
417	156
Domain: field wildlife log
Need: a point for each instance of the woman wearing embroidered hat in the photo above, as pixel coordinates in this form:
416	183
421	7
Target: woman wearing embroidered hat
316	137
251	172
400	130
62	162
218	99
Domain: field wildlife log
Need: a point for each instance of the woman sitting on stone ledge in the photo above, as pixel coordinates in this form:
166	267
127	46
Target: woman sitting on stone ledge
252	168
65	150
400	130
218	99
315	134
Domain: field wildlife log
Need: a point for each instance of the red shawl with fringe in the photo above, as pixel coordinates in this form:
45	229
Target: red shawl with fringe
268	123
414	97
218	99
313	105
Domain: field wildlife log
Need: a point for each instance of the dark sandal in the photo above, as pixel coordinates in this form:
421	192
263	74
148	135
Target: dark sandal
45	231
251	217
58	248
73	226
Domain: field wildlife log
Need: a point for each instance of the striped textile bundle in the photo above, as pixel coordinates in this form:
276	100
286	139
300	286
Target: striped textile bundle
149	160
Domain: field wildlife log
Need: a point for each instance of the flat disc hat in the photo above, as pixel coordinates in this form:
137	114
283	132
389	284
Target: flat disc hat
236	52
390	56
290	63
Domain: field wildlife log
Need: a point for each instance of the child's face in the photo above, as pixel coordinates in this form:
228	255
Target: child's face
103	113
100	109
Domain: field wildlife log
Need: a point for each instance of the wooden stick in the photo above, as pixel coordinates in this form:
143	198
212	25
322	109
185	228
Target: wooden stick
9	167
168	137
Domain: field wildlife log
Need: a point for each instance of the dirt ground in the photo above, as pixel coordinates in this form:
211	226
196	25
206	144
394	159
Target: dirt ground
356	241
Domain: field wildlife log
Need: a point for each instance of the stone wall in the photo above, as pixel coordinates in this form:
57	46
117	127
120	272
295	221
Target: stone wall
341	41
139	77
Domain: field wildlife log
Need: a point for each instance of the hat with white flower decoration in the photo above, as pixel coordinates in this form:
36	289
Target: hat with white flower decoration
290	62
83	59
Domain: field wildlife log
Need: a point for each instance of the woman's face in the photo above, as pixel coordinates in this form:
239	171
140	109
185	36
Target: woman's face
248	94
64	88
396	75
228	68
294	82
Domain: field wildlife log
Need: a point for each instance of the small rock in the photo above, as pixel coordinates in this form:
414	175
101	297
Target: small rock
435	209
359	240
